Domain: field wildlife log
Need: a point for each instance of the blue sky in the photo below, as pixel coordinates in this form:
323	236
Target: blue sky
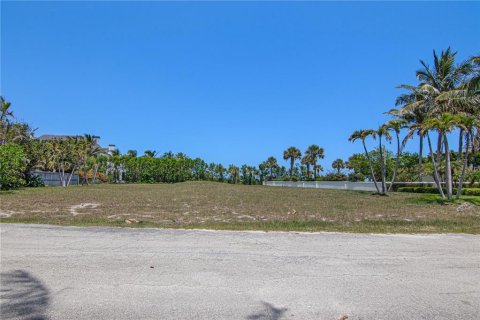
228	82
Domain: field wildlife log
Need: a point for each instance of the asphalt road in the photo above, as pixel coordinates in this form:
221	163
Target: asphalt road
106	273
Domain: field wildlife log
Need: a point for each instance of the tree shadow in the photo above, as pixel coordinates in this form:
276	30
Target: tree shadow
269	312
22	296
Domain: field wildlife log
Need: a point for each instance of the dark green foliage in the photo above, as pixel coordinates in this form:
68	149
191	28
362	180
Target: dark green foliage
12	166
434	190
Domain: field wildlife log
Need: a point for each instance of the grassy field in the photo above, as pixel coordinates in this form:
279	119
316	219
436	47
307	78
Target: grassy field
237	207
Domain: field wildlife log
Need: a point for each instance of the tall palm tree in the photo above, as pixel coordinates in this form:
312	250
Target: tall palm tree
363	135
444	124
89	149
468	125
396	126
423	130
315	152
438	86
383	132
307	160
413	109
292	154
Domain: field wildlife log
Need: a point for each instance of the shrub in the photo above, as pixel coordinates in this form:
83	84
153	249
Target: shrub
471	191
433	190
356	177
12	166
334	177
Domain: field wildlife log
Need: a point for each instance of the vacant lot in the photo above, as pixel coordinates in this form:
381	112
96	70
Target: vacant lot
224	206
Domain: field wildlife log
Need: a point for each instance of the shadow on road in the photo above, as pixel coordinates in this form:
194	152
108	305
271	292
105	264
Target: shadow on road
269	312
22	296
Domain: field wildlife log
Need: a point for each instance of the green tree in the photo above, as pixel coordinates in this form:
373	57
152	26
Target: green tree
307	160
383	132
396	126
363	135
338	165
150	153
234	173
444	124
292	154
12	166
315	152
271	164
131	153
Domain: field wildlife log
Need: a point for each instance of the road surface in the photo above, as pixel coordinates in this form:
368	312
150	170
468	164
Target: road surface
53	272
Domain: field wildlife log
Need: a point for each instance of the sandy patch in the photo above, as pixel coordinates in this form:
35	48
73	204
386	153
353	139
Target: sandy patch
73	209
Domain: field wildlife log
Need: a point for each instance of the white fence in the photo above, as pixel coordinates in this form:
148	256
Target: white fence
345	185
53	178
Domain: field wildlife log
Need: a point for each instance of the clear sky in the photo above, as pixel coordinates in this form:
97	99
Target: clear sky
228	82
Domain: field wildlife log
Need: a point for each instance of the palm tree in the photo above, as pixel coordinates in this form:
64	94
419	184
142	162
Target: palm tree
88	148
168	154
234	173
424	131
444	124
150	153
414	110
396	126
315	152
437	92
473	85
307	160
292	154
362	135
131	153
219	172
468	125
338	165
271	164
383	132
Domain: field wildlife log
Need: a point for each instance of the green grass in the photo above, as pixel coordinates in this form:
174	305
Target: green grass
236	207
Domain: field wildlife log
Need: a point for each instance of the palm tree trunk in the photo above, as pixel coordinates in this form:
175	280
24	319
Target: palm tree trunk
85	178
465	162
62	174
95	170
448	168
291	166
439	152
315	170
399	150
435	171
371	166
420	160
71	174
382	164
460	145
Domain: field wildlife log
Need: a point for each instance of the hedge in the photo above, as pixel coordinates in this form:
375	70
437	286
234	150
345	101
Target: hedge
433	190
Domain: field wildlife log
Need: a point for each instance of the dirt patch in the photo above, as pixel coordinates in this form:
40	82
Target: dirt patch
74	210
